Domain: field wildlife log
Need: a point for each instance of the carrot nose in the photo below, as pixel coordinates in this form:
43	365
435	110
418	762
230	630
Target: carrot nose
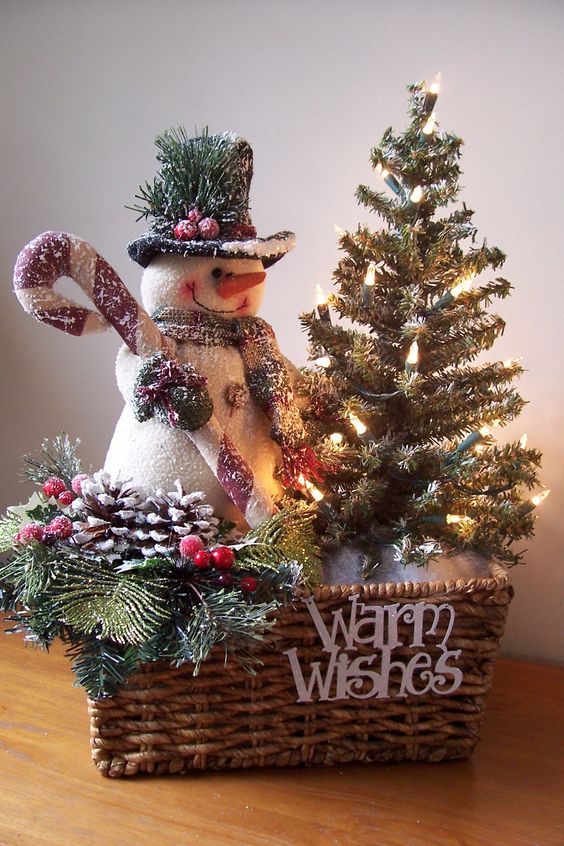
238	283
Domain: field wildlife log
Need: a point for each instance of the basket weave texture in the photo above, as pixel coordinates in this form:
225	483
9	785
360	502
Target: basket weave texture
168	721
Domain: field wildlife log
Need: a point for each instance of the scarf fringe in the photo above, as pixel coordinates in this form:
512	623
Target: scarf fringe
300	461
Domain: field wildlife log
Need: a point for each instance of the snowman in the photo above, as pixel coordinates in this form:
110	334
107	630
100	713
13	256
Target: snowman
203	283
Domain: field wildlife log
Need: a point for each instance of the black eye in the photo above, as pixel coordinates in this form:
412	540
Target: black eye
217	272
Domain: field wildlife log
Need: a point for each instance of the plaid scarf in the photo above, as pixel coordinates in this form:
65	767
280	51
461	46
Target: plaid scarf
265	373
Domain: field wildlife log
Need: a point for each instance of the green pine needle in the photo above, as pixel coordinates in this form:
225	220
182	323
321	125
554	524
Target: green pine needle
204	172
56	458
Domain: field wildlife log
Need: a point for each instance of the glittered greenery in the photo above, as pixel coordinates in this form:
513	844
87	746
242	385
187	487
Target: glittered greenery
206	172
172	393
408	477
56	458
291	532
115	612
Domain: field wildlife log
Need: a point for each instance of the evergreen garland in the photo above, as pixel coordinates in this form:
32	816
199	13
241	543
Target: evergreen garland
116	611
411	479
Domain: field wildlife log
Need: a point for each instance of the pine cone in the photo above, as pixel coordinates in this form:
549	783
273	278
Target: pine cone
121	521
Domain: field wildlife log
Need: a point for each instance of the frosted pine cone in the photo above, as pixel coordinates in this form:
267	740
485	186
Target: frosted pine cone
121	521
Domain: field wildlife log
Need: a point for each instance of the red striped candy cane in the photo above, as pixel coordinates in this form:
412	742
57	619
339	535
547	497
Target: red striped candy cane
54	254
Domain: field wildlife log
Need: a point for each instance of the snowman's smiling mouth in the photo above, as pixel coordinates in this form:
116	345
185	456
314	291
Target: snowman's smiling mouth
191	286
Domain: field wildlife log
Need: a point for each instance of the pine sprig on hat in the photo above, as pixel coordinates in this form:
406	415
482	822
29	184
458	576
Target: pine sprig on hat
203	173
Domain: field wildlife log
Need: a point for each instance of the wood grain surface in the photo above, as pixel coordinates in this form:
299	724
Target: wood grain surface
510	794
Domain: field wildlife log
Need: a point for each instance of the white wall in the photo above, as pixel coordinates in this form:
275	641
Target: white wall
87	86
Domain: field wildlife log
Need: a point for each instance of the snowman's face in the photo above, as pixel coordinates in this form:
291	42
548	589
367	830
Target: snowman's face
224	287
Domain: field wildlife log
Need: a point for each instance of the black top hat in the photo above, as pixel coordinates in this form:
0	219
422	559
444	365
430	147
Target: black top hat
199	202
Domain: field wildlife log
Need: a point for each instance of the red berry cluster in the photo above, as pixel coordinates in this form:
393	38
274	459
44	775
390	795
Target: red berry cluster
60	528
54	487
221	558
195	226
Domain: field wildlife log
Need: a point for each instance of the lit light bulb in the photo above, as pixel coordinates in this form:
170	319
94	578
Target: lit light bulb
323	361
431	95
369	283
533	502
456	518
322	307
388	178
315	492
370	278
336	438
413	354
479	448
512	362
429	125
523	441
359	426
484	431
416	195
321	298
539	498
463	286
339	231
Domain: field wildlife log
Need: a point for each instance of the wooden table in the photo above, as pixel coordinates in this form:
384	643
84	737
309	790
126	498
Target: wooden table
511	792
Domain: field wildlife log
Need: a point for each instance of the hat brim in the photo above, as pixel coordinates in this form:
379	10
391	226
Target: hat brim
268	250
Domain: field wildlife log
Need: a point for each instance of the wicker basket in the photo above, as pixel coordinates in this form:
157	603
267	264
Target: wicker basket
167	721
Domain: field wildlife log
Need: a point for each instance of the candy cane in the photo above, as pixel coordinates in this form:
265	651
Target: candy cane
54	254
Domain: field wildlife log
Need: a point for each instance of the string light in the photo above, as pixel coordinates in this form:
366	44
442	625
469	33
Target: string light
336	438
310	488
475	437
359	426
448	519
512	362
319	497
412	359
461	287
368	284
429	125
523	441
361	430
534	502
388	178
339	231
431	95
540	498
416	195
322	307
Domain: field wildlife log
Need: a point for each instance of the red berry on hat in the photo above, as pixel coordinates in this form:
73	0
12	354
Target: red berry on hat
202	559
60	528
208	228
185	230
223	558
225	579
76	483
66	497
53	486
249	584
29	532
194	216
190	545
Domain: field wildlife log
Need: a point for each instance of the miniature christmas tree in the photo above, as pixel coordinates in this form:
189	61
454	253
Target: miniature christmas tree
404	409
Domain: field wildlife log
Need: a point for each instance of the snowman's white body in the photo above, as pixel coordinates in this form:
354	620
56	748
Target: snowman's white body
155	455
